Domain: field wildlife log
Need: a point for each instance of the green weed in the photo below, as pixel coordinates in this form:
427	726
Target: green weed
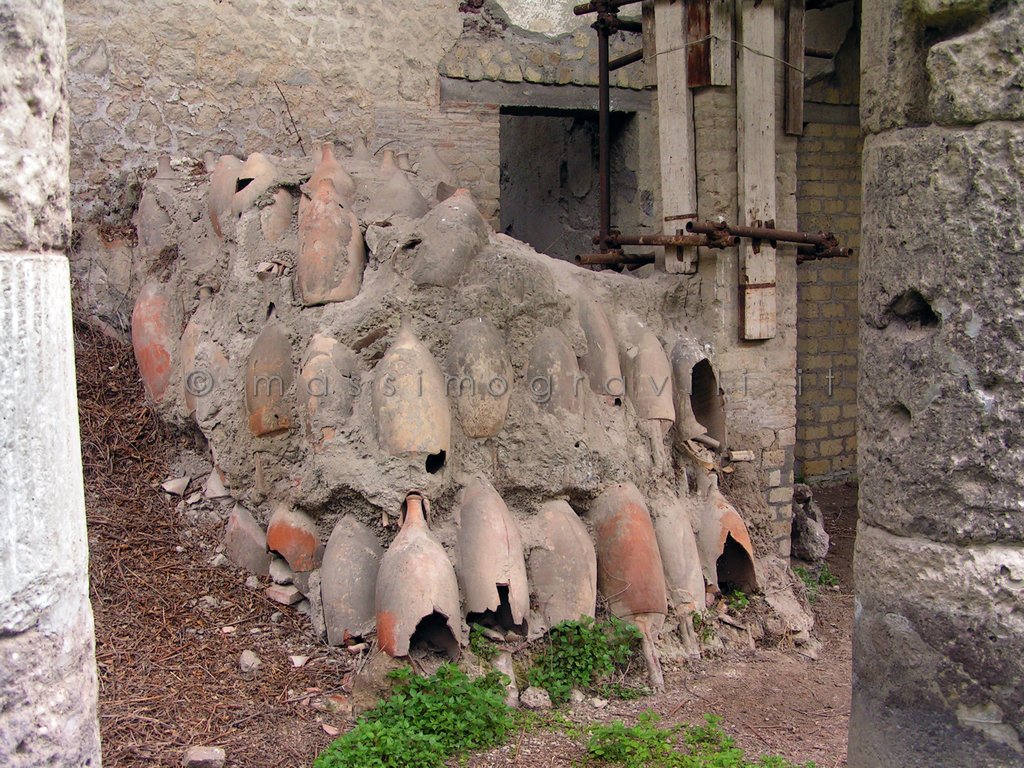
815	579
580	654
425	721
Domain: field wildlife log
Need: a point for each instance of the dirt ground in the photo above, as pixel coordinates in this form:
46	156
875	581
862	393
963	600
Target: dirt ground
171	625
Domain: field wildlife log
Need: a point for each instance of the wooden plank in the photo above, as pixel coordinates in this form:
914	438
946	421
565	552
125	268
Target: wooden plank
755	111
794	72
722	55
709	36
675	131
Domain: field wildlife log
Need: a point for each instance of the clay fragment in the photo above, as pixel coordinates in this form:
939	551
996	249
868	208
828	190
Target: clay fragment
491	564
154	334
255	177
268	380
553	375
223	182
630	574
245	543
563	568
479	377
348	581
417	595
409	402
331	249
294	536
397	197
601	360
449	238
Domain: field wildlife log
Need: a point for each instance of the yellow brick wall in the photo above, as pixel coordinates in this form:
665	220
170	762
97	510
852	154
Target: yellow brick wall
828	198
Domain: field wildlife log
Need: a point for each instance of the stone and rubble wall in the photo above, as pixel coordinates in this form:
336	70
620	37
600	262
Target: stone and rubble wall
939	562
47	665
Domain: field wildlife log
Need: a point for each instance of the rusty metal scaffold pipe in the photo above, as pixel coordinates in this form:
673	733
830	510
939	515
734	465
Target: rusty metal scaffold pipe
597	6
823	239
625	61
603	27
614	258
813	253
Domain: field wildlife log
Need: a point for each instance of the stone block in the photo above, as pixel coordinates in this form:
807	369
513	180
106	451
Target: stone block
894	85
940	377
931	620
34	214
979	76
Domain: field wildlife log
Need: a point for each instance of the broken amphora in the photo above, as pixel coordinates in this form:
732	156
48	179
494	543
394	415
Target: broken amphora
480	377
563	567
553	375
268	380
409	402
601	360
276	218
331	250
328	383
396	197
430	166
193	380
294	536
417	594
648	378
630	574
255	177
491	564
699	403
223	183
726	553
348	581
450	236
154	334
329	168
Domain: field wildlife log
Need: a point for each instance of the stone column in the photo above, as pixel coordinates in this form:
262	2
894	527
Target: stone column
47	664
939	623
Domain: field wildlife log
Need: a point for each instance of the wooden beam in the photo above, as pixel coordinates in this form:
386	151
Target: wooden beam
795	68
675	131
709	36
755	111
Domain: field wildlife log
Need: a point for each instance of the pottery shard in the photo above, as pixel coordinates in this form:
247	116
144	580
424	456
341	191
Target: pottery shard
396	197
416	581
630	574
328	383
563	568
726	552
255	177
450	236
223	181
553	375
601	361
245	542
293	535
479	377
679	556
150	221
409	402
648	378
329	168
331	249
154	333
490	554
276	218
268	379
348	580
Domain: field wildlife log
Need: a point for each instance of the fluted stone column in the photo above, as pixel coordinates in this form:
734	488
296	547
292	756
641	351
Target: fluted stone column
939	563
47	664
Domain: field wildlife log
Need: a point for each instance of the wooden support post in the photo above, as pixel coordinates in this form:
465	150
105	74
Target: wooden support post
755	112
675	132
709	33
795	68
